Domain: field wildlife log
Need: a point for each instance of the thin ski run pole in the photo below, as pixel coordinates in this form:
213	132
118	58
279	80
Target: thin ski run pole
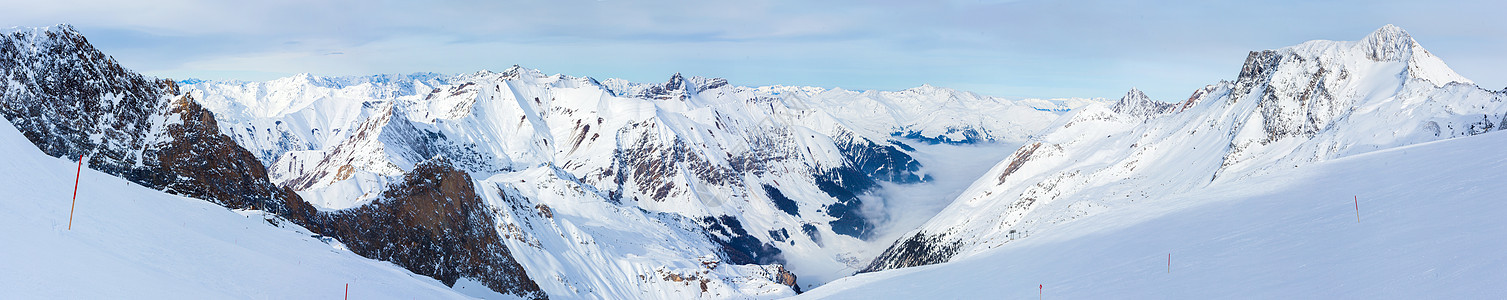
1357	209
75	191
1169	263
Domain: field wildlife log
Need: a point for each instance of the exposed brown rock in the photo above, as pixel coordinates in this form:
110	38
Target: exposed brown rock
544	211
433	223
71	100
1018	159
784	277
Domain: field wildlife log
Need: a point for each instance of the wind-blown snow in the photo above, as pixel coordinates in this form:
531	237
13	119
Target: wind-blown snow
129	241
1430	227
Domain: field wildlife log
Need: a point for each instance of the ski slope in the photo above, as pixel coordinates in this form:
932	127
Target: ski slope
129	241
1430	227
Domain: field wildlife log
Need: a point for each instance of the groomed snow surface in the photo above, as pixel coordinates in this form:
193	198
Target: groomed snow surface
129	241
1431	226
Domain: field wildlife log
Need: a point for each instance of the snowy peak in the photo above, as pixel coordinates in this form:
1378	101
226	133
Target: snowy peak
1392	44
677	87
675	83
1136	104
1389	43
1135	94
1303	88
515	72
1386	52
59	29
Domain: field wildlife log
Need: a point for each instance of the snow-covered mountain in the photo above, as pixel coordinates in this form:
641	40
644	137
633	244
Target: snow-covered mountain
690	180
1427	226
1289	108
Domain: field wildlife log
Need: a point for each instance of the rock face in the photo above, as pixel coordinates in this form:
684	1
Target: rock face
1287	108
784	277
917	250
432	221
71	100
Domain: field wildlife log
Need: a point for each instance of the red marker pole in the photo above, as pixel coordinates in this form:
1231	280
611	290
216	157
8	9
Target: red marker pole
1357	209
347	291
1169	263
75	191
1038	291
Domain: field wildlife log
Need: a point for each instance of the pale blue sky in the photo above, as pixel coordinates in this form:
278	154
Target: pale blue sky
1021	48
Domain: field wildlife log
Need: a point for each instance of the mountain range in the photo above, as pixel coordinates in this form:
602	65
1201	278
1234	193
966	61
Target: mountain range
552	186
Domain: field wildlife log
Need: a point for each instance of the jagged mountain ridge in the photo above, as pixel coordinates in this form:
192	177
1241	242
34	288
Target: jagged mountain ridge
1288	108
1136	104
72	101
771	174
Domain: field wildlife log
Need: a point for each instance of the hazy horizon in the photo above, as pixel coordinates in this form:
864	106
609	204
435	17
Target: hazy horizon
1015	49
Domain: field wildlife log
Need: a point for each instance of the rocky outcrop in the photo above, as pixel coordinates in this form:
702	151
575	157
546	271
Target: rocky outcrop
434	224
740	247
877	161
969	135
1018	159
784	277
918	250
866	164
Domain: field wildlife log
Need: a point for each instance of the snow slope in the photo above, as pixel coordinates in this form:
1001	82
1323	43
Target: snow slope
129	241
1430	227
